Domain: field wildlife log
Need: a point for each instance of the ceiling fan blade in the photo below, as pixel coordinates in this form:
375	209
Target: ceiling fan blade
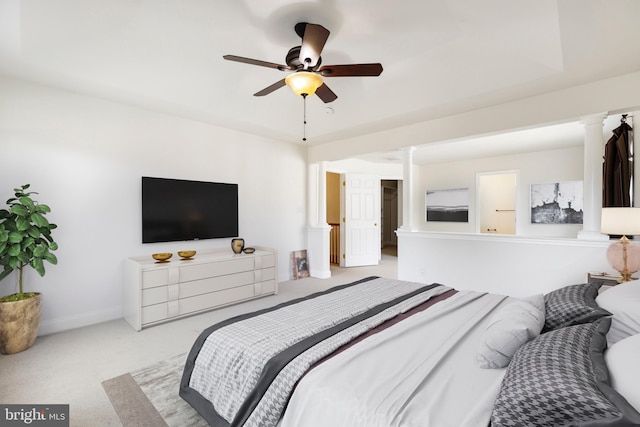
351	70
257	62
267	90
326	94
315	36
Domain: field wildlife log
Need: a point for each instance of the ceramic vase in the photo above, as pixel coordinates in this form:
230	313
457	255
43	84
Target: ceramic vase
237	245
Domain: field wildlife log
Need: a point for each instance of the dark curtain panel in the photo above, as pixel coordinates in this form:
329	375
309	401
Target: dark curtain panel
618	168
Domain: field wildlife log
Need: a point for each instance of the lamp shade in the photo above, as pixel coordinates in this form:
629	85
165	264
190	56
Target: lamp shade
303	82
621	221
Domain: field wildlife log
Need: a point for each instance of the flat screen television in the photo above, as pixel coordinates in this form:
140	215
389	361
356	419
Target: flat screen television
177	210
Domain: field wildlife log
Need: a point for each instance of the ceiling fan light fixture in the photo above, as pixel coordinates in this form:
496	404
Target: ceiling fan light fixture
303	82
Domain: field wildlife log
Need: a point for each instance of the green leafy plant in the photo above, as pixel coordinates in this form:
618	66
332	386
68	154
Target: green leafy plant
25	238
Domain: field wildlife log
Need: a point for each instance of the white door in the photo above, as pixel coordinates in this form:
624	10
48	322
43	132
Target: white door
360	213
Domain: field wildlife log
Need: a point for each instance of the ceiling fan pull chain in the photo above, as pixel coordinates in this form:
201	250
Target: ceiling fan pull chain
304	120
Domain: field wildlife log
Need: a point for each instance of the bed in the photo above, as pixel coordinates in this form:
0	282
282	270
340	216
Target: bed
384	352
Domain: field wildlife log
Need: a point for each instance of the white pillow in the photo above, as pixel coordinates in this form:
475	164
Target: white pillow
511	327
623	301
536	300
622	361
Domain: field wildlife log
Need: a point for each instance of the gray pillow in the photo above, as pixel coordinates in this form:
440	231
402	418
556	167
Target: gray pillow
572	305
560	379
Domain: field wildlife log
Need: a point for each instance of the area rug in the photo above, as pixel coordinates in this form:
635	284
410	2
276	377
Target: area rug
149	397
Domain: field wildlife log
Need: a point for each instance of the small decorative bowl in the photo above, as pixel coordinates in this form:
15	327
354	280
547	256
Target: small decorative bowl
162	257
249	250
186	254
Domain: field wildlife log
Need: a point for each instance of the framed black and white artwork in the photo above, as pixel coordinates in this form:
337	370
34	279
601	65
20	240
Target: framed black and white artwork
557	203
299	264
447	205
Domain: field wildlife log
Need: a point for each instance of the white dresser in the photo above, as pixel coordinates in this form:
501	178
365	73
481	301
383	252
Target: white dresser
160	292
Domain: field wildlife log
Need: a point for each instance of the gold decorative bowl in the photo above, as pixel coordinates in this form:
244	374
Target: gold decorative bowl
186	254
162	257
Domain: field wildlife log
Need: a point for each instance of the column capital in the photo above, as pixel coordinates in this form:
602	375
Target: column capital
594	119
407	153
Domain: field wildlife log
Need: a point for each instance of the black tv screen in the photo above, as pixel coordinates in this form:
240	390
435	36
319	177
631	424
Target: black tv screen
176	210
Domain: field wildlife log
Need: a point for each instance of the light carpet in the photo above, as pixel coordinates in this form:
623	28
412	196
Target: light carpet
149	396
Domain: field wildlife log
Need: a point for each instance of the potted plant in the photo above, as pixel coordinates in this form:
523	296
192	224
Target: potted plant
25	240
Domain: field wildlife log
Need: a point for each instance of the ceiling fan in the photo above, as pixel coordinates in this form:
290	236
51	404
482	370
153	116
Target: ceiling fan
306	62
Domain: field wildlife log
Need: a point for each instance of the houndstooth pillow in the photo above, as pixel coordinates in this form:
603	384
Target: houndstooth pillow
572	305
560	379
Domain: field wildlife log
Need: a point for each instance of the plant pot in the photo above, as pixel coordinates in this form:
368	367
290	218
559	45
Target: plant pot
19	323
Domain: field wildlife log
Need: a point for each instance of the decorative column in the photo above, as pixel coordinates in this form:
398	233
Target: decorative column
407	188
318	230
592	183
322	194
312	194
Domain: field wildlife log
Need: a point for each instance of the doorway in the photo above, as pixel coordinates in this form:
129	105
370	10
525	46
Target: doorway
390	212
389	217
333	216
496	202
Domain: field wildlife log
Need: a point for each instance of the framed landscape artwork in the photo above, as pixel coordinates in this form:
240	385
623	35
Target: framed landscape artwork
557	203
447	205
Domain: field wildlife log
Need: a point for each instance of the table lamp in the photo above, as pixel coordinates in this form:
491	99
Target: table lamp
623	255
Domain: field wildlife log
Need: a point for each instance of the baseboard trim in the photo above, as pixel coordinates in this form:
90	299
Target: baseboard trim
61	324
320	273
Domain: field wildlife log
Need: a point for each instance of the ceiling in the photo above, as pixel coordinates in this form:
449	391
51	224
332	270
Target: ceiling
440	57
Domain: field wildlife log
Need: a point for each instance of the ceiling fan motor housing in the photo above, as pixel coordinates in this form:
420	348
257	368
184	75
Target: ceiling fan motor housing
293	59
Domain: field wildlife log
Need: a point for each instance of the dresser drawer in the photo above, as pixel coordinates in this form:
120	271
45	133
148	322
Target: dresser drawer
266	287
215	299
160	294
213	284
154	296
159	312
220	268
160	277
265	261
264	274
154	313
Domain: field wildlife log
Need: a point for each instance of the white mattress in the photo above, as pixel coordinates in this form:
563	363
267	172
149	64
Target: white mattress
420	372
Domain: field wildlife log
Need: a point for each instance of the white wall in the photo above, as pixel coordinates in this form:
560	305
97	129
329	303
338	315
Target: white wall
534	168
382	170
85	156
507	265
540	258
